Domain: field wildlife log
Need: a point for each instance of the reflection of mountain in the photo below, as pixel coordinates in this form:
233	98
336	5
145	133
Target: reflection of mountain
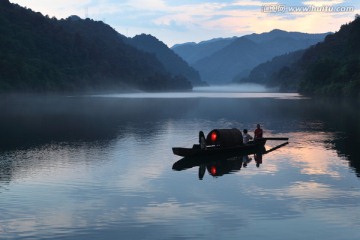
342	117
329	116
43	133
42	159
345	147
34	121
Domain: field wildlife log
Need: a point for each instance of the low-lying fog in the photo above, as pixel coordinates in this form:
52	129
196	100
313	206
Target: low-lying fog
222	91
244	87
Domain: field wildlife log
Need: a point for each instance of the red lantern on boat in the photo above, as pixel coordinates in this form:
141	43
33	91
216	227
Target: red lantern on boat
214	136
224	137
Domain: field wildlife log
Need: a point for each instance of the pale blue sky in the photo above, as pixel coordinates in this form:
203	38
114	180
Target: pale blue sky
175	21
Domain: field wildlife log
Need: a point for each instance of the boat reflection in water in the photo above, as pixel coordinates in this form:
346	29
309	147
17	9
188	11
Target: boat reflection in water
220	165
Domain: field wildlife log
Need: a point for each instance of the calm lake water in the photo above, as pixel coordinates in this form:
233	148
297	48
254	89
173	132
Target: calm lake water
101	167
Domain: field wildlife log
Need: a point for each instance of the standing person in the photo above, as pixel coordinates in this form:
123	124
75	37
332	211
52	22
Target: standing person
246	137
258	133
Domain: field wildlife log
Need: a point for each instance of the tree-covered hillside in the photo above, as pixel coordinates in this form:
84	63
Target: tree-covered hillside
333	67
170	60
330	68
274	73
41	54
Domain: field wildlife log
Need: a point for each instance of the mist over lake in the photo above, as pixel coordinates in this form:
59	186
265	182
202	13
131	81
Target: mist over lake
243	87
101	167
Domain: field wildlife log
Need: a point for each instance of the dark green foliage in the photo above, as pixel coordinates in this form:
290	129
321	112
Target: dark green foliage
333	67
39	54
169	59
330	68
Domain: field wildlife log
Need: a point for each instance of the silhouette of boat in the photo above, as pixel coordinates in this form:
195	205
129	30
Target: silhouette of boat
221	141
221	164
219	150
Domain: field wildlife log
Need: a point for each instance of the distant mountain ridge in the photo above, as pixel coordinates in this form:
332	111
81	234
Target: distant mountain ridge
222	66
277	33
193	52
235	57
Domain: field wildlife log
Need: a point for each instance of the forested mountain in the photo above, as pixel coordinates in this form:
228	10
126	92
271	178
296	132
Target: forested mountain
222	66
235	57
193	52
329	68
297	39
170	60
39	54
333	67
269	74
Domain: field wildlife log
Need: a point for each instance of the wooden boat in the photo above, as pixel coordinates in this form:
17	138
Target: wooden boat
196	151
218	165
222	141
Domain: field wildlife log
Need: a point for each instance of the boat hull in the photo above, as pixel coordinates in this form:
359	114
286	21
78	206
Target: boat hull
214	150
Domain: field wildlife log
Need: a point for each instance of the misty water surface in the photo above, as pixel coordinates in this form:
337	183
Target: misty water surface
100	167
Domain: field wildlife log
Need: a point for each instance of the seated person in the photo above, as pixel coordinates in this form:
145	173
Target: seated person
246	137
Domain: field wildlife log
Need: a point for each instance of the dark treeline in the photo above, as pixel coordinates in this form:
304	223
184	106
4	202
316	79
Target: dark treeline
333	67
42	54
329	68
276	72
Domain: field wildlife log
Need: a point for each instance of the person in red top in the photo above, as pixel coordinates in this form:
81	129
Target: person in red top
258	133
